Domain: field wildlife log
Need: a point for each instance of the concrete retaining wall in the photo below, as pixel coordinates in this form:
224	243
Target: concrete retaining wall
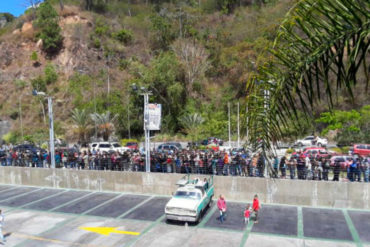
296	192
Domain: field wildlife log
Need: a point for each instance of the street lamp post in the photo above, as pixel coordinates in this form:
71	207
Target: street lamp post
145	92
51	125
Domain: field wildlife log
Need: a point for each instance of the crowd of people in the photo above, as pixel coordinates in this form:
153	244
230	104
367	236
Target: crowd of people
224	163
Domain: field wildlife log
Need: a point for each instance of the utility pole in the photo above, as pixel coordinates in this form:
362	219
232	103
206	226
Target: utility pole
51	132
20	115
146	130
51	125
247	120
238	126
228	111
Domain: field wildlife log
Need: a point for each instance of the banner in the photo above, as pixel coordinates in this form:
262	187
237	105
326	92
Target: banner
154	115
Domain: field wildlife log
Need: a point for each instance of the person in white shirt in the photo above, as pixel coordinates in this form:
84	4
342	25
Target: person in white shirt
1	226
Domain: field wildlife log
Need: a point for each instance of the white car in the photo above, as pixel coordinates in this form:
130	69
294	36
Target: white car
310	140
118	148
190	201
102	146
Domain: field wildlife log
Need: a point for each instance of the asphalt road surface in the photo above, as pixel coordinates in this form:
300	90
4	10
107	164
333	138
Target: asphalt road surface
43	217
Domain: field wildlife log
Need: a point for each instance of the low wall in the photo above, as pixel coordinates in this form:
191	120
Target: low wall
295	192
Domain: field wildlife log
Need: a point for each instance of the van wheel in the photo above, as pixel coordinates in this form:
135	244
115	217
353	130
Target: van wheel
319	144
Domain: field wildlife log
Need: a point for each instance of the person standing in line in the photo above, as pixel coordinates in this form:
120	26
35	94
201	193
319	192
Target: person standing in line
336	170
1	227
283	167
276	167
221	204
256	207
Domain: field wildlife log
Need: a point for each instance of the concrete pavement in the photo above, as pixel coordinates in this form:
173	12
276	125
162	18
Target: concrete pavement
41	217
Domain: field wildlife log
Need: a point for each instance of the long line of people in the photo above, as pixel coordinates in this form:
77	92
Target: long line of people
200	162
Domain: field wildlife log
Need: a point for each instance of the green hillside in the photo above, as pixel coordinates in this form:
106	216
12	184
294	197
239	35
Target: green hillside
195	56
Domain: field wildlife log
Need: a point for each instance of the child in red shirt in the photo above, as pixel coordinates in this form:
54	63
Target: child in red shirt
247	214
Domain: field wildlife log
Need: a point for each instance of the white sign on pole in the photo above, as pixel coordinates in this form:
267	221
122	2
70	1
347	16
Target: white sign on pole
154	112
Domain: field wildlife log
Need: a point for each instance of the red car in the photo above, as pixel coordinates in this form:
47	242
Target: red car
132	145
342	159
315	152
361	149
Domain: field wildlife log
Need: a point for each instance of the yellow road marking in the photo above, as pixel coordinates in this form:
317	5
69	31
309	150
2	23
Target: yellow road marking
107	230
55	241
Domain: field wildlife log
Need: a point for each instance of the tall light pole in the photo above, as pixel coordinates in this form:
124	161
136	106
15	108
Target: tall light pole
238	125
20	115
145	92
229	125
51	125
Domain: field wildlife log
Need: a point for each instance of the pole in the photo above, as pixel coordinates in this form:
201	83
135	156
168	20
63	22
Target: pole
20	115
247	131
95	127
228	111
51	132
128	120
238	126
147	132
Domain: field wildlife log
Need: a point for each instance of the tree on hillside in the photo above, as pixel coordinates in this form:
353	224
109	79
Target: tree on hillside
163	77
191	124
105	123
81	125
50	32
194	59
321	46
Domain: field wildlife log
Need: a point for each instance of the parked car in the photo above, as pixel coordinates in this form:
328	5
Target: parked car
25	148
191	199
118	148
317	153
104	147
310	140
67	149
28	148
132	145
342	159
177	144
93	145
361	149
167	147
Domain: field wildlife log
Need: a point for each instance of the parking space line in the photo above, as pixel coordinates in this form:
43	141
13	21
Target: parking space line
208	216
102	204
23	194
300	226
304	238
246	233
25	205
146	230
10	188
72	201
352	228
60	224
137	206
54	241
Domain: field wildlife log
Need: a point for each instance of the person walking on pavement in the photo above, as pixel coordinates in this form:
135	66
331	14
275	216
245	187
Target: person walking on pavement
1	227
256	207
221	204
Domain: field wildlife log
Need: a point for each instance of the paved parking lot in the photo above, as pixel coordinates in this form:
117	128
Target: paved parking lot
50	217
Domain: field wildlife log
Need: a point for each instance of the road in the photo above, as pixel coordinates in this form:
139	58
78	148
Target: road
40	217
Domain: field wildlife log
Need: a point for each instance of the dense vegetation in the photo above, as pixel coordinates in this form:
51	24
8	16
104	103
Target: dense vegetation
195	56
